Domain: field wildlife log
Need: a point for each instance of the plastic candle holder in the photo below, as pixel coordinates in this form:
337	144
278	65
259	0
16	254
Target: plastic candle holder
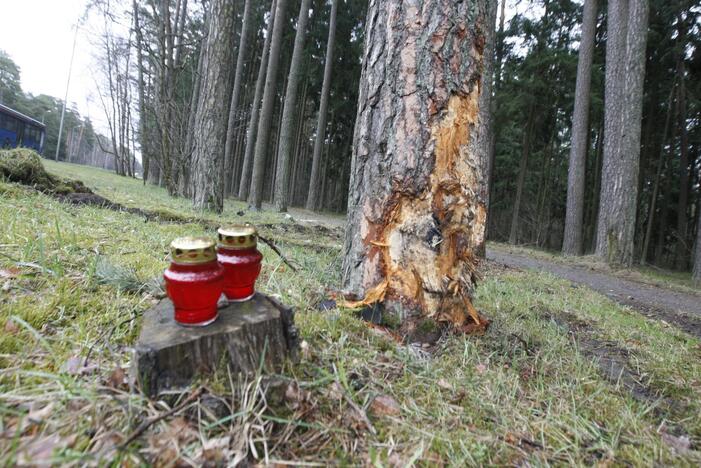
237	253
194	280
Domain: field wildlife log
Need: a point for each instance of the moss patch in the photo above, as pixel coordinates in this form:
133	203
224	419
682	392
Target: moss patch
24	166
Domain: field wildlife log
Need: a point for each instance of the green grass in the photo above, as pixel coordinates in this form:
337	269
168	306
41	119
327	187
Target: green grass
675	280
525	392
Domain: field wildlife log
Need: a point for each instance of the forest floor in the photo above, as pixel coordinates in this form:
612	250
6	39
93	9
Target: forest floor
564	375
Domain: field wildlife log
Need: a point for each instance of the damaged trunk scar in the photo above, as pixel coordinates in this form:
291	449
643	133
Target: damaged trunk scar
426	239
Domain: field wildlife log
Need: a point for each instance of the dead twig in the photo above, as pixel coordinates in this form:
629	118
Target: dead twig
272	245
151	421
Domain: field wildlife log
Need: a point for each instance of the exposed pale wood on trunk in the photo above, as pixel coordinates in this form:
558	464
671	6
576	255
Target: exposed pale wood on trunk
415	211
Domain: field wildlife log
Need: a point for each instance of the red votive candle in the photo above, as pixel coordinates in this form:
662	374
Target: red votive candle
237	253
194	281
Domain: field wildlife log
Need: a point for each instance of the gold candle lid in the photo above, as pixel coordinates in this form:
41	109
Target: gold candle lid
242	236
192	250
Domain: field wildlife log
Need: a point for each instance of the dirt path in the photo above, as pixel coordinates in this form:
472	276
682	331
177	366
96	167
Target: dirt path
676	308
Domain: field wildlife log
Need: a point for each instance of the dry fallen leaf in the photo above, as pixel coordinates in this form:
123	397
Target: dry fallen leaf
215	452
444	384
295	396
680	444
10	272
75	365
481	368
39	415
384	405
335	391
117	379
11	327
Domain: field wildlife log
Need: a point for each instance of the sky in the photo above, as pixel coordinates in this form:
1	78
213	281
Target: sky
42	49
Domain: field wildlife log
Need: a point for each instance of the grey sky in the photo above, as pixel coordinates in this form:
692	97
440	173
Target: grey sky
38	35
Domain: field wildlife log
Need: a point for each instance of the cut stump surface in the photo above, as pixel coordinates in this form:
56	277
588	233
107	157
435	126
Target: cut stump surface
169	356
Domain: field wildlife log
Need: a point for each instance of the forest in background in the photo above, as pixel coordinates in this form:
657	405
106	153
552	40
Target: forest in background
536	71
80	142
153	75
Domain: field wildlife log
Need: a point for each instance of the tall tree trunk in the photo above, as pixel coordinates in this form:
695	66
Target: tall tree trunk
523	167
572	242
228	172
696	274
194	99
499	52
145	156
681	252
313	194
625	73
486	104
252	131
286	141
415	219
212	109
255	196
656	184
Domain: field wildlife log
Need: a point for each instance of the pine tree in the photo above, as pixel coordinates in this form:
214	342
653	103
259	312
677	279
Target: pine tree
625	73
572	244
252	129
313	194
255	196
282	178
227	173
414	223
212	109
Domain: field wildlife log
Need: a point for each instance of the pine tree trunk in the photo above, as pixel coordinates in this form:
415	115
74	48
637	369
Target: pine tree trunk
145	156
572	242
696	274
625	73
499	57
194	101
255	196
416	219
227	173
523	167
212	110
656	184
245	185
487	107
286	141
681	252
313	194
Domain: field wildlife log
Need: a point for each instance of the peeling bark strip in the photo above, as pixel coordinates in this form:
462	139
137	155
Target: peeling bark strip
416	210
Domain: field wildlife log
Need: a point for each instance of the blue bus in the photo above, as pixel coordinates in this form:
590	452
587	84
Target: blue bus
16	129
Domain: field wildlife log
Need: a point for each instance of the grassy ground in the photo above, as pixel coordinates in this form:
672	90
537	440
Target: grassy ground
74	281
648	274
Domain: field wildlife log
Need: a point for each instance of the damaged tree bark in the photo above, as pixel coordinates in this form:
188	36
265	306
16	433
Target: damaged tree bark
417	208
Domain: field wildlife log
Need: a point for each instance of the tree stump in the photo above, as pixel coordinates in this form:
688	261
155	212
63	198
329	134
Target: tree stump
244	336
